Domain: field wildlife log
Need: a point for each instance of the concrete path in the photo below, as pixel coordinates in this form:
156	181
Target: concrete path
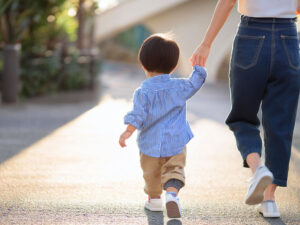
60	162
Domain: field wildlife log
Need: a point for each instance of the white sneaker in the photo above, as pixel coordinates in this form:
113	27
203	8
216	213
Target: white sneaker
268	209
154	204
173	206
261	179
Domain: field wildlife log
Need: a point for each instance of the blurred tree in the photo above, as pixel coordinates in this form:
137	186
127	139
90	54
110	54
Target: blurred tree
80	18
85	13
16	19
46	30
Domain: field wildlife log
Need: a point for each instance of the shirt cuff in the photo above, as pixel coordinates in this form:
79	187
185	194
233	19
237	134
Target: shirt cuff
132	121
201	70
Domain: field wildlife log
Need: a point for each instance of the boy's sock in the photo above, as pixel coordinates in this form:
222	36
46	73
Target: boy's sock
174	194
173	183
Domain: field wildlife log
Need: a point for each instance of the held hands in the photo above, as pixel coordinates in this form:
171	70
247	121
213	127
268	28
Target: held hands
200	55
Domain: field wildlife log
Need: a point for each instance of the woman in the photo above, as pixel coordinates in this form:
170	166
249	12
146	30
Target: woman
264	70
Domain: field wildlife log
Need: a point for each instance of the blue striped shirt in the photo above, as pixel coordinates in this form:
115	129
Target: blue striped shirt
159	113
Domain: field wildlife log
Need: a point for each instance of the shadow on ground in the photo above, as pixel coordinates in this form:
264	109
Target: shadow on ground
157	218
274	221
154	218
27	122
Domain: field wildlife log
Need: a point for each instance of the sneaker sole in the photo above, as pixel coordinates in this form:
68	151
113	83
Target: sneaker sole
267	215
154	209
257	196
173	210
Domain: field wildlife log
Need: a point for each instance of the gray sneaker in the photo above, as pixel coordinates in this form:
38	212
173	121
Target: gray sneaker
259	182
268	209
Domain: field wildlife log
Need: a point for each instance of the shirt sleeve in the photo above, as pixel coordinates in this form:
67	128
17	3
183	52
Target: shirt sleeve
137	116
192	84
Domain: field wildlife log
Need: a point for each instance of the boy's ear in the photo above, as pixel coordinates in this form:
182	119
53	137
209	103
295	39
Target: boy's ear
143	68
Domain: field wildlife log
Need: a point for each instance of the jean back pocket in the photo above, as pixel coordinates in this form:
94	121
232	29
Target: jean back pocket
291	47
246	50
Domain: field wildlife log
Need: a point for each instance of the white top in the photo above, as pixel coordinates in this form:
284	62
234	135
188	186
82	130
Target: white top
268	8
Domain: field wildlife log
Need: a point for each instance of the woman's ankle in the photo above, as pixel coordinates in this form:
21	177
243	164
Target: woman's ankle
254	161
270	192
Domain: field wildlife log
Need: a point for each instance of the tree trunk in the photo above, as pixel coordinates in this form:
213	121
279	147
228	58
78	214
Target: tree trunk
11	70
80	29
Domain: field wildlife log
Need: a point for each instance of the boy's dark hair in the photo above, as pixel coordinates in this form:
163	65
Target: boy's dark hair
159	53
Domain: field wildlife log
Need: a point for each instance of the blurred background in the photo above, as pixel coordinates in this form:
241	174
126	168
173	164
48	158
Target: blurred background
57	45
68	69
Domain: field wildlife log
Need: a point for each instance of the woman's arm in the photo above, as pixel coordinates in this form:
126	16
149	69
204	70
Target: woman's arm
220	15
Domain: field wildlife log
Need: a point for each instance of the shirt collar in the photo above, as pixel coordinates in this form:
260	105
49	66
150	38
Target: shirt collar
153	81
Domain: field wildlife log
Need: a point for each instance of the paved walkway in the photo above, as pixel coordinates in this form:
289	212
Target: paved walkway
60	162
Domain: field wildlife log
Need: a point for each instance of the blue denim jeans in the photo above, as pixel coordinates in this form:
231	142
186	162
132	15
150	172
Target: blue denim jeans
265	71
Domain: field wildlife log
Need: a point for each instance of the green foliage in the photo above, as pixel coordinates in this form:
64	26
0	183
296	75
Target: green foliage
47	75
54	26
19	16
3	5
42	27
39	76
66	23
75	75
1	63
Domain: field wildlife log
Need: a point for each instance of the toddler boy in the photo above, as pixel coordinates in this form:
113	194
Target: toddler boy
159	115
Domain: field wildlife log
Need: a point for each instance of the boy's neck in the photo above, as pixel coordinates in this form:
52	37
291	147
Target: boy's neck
152	74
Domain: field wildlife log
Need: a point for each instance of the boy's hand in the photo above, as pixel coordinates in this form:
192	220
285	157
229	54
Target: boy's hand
125	135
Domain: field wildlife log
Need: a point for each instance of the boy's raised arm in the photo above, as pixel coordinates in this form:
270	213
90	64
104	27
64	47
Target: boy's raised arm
192	84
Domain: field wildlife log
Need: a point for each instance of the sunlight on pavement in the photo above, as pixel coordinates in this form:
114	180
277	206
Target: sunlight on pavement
74	162
80	167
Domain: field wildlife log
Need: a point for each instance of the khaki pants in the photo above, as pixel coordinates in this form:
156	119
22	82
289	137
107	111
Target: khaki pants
158	171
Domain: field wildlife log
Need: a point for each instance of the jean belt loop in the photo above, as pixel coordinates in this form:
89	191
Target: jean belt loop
246	20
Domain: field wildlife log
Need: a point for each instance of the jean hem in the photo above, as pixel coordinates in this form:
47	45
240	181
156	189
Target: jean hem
281	183
245	154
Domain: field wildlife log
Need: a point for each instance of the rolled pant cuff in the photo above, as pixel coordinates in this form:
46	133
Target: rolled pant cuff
281	183
174	183
245	154
179	177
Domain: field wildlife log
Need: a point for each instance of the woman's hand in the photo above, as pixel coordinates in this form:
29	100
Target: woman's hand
221	14
200	56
